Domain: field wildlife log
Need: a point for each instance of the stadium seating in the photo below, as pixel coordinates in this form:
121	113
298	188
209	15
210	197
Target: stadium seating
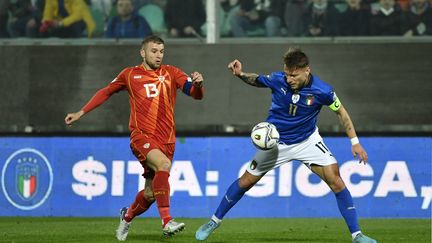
154	16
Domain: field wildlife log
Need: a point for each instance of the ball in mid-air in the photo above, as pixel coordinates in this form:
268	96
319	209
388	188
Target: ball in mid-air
265	135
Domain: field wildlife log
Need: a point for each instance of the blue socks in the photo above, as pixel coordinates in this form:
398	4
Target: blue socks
347	209
343	198
232	196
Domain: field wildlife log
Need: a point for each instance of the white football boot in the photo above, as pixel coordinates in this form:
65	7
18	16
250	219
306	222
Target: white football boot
123	228
172	227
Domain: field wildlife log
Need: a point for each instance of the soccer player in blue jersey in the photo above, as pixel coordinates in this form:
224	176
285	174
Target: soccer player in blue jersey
297	98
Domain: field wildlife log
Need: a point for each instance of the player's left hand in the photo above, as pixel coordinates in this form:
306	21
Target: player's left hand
359	152
197	79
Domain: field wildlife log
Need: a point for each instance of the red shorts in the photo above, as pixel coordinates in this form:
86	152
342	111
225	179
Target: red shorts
141	145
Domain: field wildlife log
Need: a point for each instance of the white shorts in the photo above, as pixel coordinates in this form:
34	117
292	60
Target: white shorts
310	151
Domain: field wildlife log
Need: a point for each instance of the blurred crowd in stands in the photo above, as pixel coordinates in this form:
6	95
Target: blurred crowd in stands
237	18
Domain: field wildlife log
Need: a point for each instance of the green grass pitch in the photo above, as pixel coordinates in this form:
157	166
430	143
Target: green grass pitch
27	229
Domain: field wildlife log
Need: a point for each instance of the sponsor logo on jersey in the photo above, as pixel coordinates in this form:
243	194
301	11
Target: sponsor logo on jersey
27	179
137	76
295	98
309	99
161	78
146	145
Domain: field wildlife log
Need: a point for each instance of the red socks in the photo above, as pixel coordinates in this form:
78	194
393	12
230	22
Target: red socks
139	206
161	190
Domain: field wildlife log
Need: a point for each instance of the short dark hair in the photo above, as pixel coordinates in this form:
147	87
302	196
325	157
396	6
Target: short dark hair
152	38
295	58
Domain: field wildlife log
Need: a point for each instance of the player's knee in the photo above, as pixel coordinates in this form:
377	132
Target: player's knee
337	184
164	165
246	183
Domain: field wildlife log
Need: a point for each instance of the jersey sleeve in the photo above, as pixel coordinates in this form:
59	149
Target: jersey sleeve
269	80
184	82
264	80
330	99
180	77
118	84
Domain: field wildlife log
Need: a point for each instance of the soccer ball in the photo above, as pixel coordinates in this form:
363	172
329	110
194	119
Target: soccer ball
265	135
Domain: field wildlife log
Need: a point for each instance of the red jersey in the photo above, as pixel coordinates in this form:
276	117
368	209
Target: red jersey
152	98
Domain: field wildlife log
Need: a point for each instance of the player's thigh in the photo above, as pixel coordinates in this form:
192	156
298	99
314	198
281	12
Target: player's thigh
266	160
141	145
330	174
151	154
158	161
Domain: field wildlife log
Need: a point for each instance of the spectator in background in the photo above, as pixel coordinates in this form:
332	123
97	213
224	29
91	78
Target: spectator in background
253	14
294	17
184	18
386	20
127	23
418	19
25	17
354	21
4	18
66	19
321	19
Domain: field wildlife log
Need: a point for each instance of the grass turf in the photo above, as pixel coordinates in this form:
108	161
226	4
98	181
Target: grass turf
29	229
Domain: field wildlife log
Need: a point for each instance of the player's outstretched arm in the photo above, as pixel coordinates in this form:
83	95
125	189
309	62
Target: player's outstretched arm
99	98
357	150
249	78
72	117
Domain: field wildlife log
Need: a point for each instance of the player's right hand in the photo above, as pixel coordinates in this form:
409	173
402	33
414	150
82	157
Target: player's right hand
235	67
359	152
72	117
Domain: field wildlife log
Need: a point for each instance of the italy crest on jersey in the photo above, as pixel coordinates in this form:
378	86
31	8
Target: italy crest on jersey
309	99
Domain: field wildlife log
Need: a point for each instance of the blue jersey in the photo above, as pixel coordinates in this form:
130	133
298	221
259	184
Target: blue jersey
295	114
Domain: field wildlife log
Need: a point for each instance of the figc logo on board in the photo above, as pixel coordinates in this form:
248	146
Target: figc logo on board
27	179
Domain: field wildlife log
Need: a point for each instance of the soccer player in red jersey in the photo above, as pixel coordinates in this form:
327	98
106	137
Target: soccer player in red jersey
152	89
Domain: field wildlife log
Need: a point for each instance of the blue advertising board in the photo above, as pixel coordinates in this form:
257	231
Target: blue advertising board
77	176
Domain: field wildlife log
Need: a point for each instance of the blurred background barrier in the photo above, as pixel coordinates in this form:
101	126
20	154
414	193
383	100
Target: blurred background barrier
57	176
384	83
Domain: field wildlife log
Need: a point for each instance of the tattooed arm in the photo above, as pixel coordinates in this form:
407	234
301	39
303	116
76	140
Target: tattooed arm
249	78
346	122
